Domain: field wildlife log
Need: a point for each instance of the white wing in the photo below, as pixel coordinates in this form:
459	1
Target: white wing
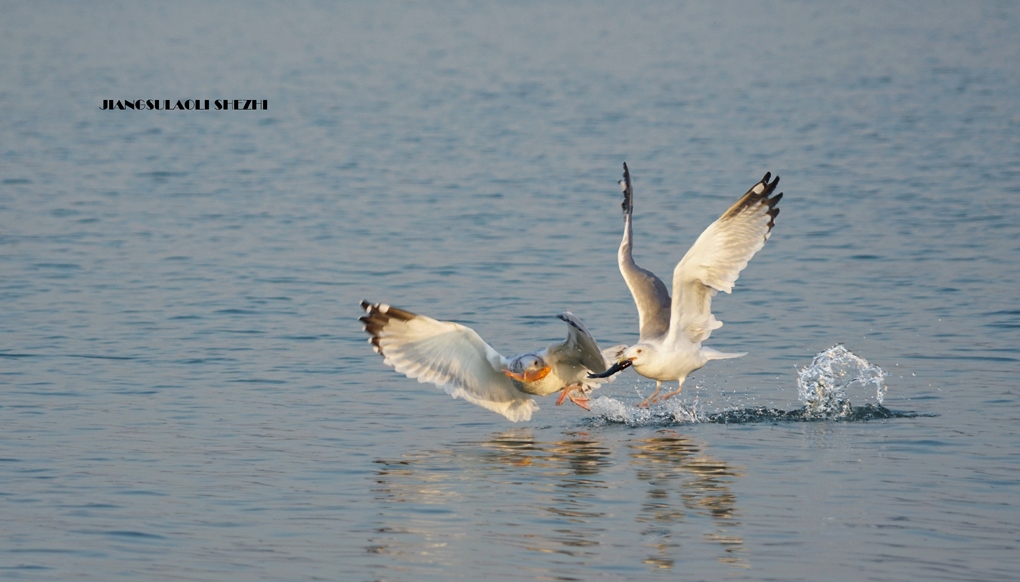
715	260
649	292
448	355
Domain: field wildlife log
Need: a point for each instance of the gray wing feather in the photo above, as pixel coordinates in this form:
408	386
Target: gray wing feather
649	292
579	347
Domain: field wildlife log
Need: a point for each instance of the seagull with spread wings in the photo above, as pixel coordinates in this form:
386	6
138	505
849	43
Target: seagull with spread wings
672	329
455	358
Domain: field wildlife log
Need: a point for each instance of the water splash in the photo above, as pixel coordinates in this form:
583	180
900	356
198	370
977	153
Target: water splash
826	384
674	411
825	387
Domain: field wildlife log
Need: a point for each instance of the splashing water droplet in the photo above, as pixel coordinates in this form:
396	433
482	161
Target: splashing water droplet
671	412
826	386
825	383
617	412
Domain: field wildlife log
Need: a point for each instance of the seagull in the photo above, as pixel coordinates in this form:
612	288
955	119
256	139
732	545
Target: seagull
671	330
455	358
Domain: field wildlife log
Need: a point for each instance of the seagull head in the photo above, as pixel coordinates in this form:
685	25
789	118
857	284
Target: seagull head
528	368
636	353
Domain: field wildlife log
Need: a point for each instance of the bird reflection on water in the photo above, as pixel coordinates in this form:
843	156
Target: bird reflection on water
573	494
682	478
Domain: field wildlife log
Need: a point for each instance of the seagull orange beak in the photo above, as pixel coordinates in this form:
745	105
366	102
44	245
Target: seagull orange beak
621	365
529	377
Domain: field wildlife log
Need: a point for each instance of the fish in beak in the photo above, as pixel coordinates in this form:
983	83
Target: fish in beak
618	366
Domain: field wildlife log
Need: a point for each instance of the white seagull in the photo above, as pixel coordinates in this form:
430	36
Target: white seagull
671	330
456	359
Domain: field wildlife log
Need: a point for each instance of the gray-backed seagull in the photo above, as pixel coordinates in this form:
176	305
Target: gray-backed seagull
455	358
671	330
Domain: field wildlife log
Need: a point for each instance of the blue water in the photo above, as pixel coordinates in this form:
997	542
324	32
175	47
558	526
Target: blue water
186	393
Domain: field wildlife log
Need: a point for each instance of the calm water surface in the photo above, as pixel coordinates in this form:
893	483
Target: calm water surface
186	392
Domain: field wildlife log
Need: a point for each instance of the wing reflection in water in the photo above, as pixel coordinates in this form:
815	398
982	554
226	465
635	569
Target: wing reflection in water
683	479
571	499
567	473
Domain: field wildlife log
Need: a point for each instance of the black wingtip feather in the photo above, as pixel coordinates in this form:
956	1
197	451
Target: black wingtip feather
773	202
573	322
377	316
755	199
628	192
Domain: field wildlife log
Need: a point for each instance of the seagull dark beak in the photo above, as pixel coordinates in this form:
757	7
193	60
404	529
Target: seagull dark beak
621	365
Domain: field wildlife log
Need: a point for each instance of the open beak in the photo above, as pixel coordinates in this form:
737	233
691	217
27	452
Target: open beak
529	377
621	365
